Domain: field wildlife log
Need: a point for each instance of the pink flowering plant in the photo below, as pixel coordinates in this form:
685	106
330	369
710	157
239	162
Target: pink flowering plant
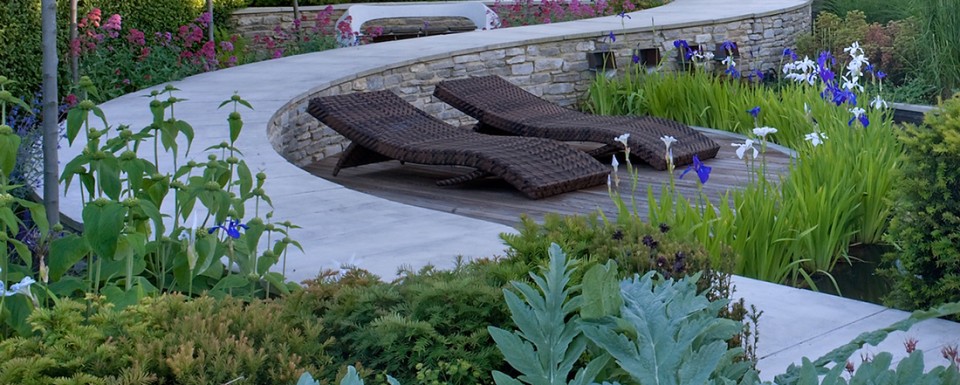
125	60
302	36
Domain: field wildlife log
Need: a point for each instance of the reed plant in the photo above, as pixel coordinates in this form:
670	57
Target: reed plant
785	228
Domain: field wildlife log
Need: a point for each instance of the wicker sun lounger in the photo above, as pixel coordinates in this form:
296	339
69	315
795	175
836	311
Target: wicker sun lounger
382	126
506	109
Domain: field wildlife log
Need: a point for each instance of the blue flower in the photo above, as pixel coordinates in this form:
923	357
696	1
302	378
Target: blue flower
623	14
869	68
702	170
681	43
759	75
881	75
839	95
729	46
636	59
732	71
826	75
612	37
826	60
232	228
755	111
789	52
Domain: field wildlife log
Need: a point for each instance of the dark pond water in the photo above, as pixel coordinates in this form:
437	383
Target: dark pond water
859	280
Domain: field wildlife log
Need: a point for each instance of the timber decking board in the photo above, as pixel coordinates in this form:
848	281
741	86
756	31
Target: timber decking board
494	200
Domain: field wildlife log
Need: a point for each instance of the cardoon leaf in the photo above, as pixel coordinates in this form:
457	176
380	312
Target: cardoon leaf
601	292
548	344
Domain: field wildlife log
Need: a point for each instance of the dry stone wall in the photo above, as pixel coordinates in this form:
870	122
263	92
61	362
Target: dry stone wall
555	69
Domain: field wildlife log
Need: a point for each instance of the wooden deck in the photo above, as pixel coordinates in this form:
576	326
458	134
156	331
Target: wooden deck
496	201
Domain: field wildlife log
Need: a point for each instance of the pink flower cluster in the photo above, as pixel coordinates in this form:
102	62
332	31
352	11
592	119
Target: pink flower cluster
528	12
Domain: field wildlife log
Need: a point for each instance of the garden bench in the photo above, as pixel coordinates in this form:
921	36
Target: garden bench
482	17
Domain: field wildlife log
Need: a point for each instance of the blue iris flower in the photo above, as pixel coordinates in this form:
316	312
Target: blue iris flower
732	71
754	112
862	118
636	59
759	74
232	227
881	75
612	37
824	58
702	170
789	52
729	46
623	14
826	75
681	43
839	95
869	68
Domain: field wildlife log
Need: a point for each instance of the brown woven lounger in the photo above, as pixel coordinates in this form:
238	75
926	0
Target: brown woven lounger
381	126
503	108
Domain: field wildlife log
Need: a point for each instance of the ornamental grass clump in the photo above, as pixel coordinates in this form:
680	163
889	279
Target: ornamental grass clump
838	189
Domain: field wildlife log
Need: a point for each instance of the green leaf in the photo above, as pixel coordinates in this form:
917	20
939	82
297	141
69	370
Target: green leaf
99	113
307	379
601	292
187	130
102	226
64	253
245	179
108	173
23	251
9	145
351	378
236	125
75	118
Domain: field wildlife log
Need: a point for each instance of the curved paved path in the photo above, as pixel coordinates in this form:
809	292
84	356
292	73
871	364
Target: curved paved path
340	224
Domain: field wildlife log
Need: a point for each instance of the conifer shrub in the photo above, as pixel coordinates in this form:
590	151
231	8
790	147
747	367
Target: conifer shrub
165	340
926	266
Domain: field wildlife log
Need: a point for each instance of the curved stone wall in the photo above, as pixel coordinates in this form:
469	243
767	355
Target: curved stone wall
552	65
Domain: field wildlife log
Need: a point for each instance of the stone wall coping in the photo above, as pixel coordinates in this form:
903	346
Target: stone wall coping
407	52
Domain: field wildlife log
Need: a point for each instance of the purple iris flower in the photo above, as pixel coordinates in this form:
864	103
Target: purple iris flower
623	14
732	71
789	52
839	95
729	46
754	112
612	37
826	75
881	75
824	58
869	68
232	227
636	59
862	118
702	170
759	74
681	43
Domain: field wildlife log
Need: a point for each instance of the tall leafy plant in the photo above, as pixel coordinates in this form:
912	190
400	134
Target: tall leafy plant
130	250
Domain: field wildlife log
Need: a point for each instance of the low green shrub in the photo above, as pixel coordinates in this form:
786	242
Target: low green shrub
427	325
165	340
635	245
926	268
20	44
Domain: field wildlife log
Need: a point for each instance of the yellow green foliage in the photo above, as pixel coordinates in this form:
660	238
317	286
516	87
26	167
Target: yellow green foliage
164	340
